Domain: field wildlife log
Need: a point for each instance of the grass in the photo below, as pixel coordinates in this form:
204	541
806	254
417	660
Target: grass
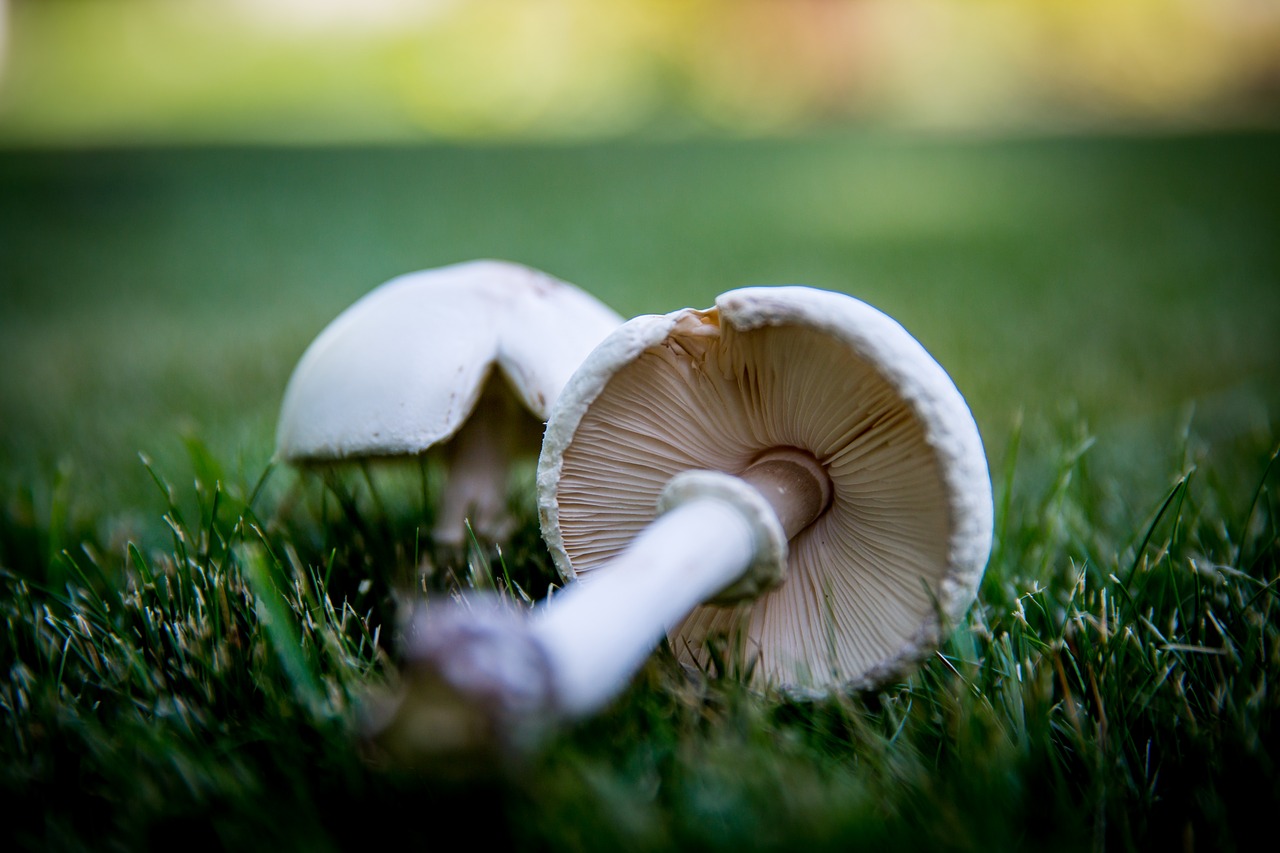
1110	689
194	640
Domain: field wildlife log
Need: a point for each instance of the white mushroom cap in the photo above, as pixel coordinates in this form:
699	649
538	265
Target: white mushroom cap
901	547
402	369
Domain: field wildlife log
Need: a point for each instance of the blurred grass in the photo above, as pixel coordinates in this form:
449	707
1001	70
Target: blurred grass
151	294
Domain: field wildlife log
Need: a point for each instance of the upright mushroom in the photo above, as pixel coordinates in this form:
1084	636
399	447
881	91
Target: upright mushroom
789	467
467	357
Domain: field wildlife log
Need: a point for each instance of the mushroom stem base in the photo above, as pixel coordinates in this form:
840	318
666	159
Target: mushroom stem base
476	682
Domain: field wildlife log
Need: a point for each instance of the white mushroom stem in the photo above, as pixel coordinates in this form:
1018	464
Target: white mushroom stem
596	634
478	462
475	485
716	533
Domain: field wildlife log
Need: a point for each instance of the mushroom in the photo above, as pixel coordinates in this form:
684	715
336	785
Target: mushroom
819	477
789	468
466	357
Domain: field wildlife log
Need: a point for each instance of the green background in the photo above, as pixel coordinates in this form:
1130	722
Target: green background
154	294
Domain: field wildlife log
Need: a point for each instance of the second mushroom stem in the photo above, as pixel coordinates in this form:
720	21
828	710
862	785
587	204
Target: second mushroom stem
478	460
598	632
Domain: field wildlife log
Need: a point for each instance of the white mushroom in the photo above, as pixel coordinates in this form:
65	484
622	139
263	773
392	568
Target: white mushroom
793	454
860	491
468	357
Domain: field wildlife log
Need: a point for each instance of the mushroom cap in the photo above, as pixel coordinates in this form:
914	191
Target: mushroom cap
900	550
402	368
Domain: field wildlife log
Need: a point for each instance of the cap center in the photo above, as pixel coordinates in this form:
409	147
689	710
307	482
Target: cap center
794	483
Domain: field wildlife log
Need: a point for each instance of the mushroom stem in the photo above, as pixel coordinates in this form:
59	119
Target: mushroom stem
794	484
718	531
597	632
482	677
477	461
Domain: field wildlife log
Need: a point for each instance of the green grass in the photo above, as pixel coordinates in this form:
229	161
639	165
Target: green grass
1111	688
192	645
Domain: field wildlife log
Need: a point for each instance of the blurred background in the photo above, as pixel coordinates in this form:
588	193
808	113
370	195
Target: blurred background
93	71
1072	203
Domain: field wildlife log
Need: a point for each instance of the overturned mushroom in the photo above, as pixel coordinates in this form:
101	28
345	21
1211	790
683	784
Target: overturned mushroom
791	454
467	357
856	466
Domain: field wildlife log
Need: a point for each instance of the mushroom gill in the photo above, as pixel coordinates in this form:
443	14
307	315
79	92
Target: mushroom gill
712	397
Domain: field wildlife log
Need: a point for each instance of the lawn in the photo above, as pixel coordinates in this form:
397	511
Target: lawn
191	663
